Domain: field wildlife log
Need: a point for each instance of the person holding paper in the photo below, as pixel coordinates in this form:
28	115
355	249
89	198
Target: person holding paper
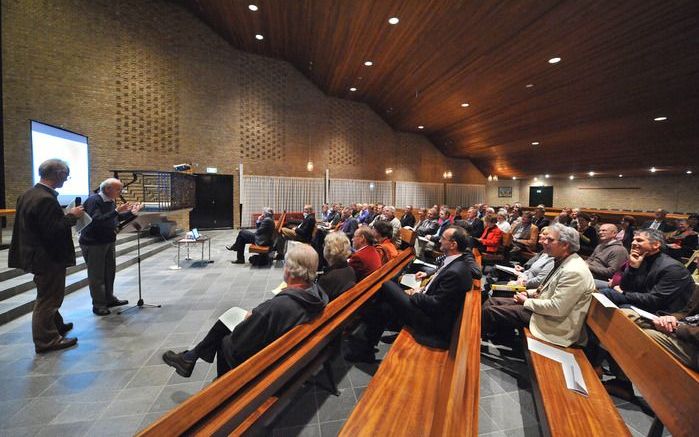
42	244
556	311
98	243
238	335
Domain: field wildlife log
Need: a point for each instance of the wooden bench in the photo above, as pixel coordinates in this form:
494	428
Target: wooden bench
254	248
422	391
253	393
407	237
670	388
563	412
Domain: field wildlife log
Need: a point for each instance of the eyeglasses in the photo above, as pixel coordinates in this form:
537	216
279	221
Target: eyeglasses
550	240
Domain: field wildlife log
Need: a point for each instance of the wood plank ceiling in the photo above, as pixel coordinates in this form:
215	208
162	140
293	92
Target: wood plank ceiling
623	64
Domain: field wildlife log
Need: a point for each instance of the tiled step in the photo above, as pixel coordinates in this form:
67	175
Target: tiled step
18	304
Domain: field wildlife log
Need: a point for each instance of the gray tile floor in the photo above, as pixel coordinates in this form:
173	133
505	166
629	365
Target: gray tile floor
115	383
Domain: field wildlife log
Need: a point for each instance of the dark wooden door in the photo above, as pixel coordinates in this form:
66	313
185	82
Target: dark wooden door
214	202
541	196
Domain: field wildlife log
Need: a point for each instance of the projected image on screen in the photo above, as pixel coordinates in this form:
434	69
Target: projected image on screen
50	142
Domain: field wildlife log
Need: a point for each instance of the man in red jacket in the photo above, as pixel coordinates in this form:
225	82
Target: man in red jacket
365	258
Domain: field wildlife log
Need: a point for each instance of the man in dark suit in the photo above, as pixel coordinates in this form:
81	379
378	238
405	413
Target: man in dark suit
42	244
540	219
303	232
429	311
98	243
408	218
660	223
262	236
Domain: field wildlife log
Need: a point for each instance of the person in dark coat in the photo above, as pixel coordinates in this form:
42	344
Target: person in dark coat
338	277
300	302
654	281
429	312
660	222
408	218
98	243
263	235
303	232
42	244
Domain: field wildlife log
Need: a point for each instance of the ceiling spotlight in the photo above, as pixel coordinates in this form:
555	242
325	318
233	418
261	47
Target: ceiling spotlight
653	169
554	60
571	177
368	63
393	20
536	179
592	173
621	175
529	85
353	89
514	178
259	37
689	172
546	176
421	127
253	8
535	143
661	118
464	105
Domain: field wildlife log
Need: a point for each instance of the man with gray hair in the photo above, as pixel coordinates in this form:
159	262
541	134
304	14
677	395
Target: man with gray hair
232	343
556	310
42	243
98	243
654	281
263	235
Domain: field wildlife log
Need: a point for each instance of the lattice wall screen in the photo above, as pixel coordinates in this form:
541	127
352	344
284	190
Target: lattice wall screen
356	190
345	133
263	96
419	195
147	103
465	194
280	193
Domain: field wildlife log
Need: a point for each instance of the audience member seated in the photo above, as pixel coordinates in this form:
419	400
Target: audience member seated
563	218
366	216
326	213
429	311
502	221
491	239
534	271
525	235
232	344
628	228
595	222
588	235
387	250
682	242
693	222
389	215
303	232
348	224
661	222
338	276
556	310
425	246
408	218
429	225
654	281
608	256
539	218
421	216
473	225
574	213
515	215
365	258
263	235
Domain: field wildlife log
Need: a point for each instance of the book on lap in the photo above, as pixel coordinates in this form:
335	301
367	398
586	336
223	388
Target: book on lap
233	317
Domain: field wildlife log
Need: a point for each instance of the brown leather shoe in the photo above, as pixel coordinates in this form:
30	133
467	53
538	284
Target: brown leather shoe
60	343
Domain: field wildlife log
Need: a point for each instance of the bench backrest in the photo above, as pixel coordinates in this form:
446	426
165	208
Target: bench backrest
408	236
670	388
228	401
280	223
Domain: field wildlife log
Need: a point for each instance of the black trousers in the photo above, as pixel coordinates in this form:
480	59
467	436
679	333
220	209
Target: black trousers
46	319
210	347
245	236
501	316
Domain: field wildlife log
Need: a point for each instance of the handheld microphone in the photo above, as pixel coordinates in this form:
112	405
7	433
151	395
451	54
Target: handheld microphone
78	201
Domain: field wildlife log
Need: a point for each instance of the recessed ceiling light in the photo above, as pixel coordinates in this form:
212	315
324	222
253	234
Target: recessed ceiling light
592	173
689	172
546	176
536	179
555	60
514	178
621	175
253	8
529	85
393	20
259	37
368	63
421	127
661	118
353	89
464	105
653	169
571	177
535	143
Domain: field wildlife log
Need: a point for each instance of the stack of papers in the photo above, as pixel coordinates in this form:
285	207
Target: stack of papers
410	281
512	288
421	262
233	317
510	270
571	370
604	300
644	314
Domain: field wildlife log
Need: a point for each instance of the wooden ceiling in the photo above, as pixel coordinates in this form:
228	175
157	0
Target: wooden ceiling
623	64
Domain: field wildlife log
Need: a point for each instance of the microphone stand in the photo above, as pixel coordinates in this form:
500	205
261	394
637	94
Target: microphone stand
140	303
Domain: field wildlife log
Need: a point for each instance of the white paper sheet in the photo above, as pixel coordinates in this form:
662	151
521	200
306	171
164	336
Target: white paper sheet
233	317
571	370
507	269
426	240
421	262
82	221
644	314
410	281
604	300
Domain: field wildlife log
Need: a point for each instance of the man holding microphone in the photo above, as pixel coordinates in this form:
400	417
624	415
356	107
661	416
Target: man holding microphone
98	243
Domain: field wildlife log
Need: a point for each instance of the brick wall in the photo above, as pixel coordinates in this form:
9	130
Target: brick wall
151	86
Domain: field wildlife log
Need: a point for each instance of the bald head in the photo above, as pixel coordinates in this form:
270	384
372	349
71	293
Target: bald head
111	188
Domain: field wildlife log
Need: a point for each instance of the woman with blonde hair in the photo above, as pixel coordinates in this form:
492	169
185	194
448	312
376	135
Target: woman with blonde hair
338	277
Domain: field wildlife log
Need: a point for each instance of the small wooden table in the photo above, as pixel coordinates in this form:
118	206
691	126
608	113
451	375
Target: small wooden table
187	242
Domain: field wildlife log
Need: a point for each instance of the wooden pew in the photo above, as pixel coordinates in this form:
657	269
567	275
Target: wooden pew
422	391
254	391
563	412
670	388
407	237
